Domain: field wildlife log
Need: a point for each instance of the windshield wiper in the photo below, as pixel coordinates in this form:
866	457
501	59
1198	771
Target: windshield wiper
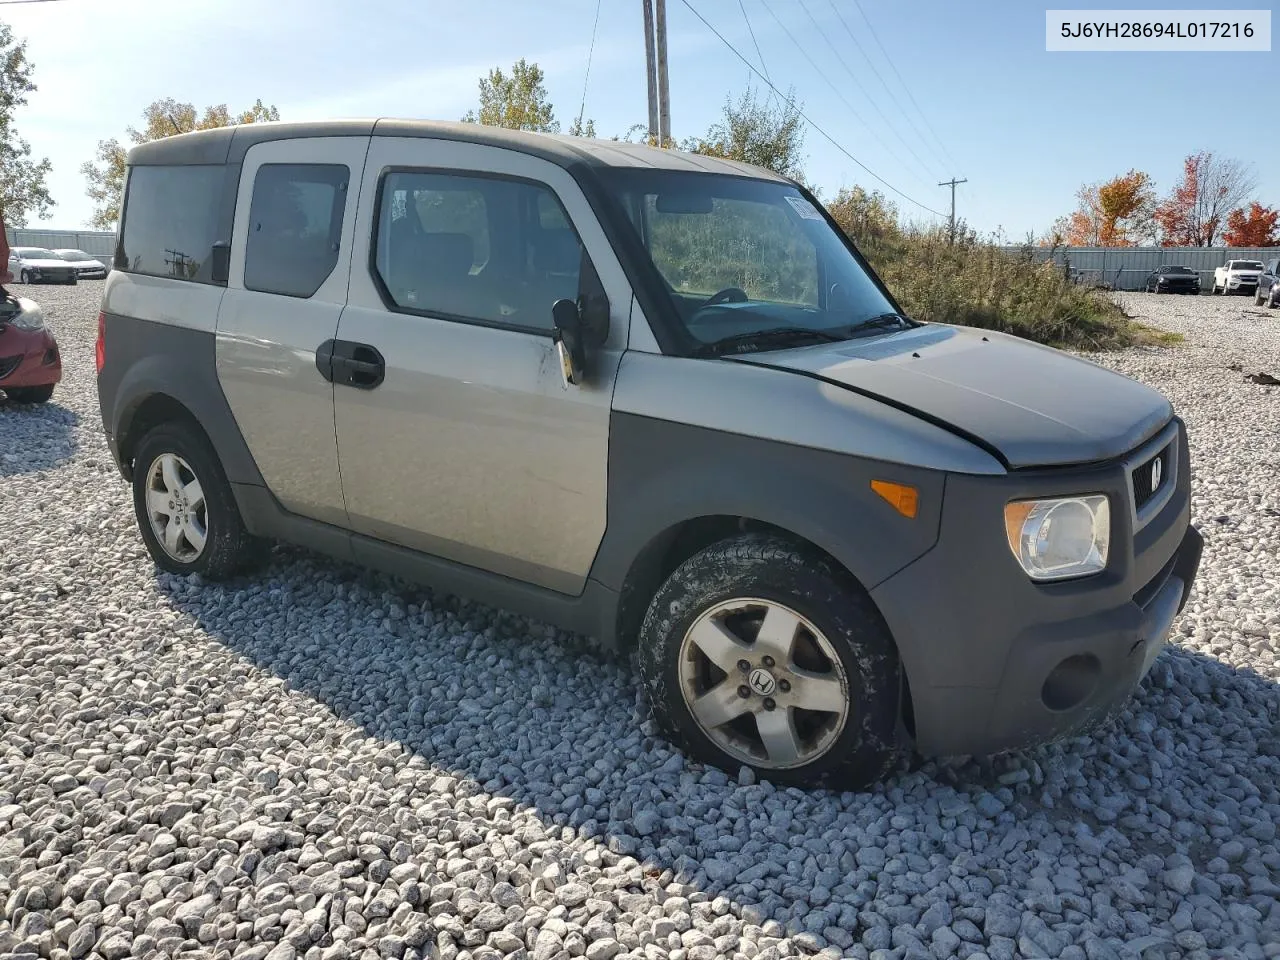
776	336
882	320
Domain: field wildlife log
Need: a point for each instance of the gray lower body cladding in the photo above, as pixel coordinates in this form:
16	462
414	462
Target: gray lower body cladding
998	662
145	359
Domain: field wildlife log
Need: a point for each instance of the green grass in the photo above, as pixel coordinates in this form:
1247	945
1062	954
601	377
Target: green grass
975	283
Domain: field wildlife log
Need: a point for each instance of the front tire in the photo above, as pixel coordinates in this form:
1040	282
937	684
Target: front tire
40	394
25	277
185	509
818	701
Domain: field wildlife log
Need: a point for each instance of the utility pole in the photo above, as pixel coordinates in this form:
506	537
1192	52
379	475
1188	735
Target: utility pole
664	99
651	67
952	184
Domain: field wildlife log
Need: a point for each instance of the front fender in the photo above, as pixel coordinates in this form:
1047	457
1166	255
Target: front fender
663	474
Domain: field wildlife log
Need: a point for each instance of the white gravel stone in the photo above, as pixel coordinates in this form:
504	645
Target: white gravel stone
317	762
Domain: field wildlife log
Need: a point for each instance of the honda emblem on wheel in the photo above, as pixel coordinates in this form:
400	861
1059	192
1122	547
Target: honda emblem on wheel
761	681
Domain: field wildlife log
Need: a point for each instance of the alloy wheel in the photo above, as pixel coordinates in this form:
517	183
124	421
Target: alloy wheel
763	683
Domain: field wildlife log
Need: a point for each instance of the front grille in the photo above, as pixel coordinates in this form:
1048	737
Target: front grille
8	365
1147	480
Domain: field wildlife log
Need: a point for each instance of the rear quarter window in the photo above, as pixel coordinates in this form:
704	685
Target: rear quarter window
171	221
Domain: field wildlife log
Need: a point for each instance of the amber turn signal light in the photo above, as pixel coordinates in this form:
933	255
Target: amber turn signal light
904	499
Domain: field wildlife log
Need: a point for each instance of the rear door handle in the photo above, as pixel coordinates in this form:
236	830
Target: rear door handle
351	364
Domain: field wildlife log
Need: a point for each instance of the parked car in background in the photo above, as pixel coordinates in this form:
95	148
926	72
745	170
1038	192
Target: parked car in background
1237	276
38	265
533	369
87	267
1173	279
30	364
1268	292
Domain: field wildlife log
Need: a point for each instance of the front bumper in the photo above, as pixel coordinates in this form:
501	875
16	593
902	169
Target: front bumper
29	358
996	662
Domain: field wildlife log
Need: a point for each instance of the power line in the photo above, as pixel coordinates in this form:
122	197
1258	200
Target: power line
834	88
754	41
887	89
587	78
852	76
791	103
875	36
14	3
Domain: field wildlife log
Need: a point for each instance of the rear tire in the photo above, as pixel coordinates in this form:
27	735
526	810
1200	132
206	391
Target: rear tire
185	509
827	701
25	277
1258	300
41	394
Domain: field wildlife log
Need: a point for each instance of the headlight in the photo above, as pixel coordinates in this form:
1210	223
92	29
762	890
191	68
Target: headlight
1058	539
31	318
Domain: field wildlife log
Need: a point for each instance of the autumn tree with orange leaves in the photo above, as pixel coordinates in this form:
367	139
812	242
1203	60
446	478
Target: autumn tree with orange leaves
1195	213
1114	213
1254	227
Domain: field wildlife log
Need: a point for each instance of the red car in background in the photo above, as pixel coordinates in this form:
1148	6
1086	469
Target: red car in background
30	364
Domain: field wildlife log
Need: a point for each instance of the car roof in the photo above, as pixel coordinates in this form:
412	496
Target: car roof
229	145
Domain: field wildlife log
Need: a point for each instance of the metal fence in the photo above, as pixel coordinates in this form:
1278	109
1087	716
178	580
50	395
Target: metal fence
97	243
1127	268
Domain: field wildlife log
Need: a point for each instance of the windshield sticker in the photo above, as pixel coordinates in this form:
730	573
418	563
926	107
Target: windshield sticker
804	208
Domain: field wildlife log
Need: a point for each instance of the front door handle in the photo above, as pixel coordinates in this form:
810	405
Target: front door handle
351	364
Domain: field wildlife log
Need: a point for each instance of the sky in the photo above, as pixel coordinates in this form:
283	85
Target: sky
967	88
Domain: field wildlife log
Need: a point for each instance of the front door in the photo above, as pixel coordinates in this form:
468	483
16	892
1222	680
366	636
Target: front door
291	255
467	444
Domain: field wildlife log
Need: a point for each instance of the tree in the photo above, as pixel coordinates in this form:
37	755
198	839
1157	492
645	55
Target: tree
768	134
1195	212
23	189
868	219
517	102
1255	227
163	118
1112	213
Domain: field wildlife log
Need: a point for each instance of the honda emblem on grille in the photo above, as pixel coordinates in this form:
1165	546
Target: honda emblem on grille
1157	474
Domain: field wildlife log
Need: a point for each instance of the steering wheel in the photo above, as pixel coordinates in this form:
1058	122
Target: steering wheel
728	295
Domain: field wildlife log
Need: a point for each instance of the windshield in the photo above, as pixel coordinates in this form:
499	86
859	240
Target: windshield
35	253
1246	265
742	256
73	255
1175	269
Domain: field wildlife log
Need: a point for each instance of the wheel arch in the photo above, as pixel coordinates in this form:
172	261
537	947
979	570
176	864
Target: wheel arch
666	550
149	394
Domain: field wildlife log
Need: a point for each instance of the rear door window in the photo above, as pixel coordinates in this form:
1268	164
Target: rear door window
295	227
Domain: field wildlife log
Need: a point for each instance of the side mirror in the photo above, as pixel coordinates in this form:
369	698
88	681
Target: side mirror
570	344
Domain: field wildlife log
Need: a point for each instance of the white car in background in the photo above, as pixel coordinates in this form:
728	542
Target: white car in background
1237	276
38	265
87	266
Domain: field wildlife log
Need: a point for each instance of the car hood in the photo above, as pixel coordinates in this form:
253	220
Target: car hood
1029	404
1178	276
86	264
1245	273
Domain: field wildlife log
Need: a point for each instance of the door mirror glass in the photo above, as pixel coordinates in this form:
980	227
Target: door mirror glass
569	341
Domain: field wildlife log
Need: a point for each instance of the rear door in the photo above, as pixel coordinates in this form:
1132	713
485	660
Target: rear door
467	445
290	264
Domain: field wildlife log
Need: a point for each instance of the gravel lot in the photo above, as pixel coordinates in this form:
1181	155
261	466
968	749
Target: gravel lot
323	763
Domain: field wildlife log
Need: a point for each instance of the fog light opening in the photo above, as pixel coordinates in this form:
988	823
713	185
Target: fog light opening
1071	682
